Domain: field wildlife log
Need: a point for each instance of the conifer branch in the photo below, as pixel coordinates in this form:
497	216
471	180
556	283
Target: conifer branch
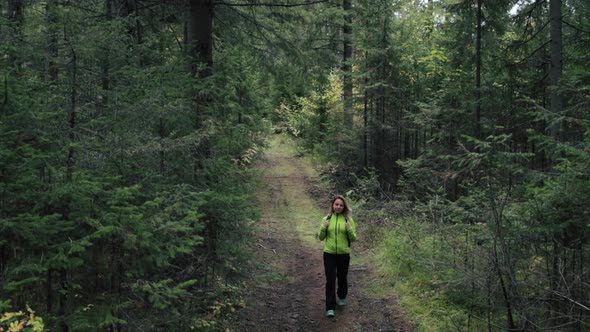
531	54
261	28
575	27
268	4
520	43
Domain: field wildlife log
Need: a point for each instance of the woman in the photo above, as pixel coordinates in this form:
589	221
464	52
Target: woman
338	230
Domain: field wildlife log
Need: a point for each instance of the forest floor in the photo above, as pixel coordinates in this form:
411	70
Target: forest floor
286	288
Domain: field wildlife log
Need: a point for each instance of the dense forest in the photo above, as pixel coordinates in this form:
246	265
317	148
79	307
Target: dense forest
459	129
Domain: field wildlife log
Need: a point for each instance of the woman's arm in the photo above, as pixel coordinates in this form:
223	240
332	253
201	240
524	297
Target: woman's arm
352	230
324	229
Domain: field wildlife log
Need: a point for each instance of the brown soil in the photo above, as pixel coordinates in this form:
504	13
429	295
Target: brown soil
286	289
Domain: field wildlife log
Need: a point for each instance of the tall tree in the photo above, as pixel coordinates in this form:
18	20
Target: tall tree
51	53
200	37
556	67
15	15
478	69
347	63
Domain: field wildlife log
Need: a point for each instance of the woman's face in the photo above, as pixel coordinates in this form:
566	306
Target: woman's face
338	206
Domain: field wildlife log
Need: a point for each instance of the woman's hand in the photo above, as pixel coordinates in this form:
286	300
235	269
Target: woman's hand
347	225
326	223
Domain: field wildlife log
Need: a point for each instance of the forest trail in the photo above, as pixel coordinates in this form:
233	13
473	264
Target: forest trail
286	290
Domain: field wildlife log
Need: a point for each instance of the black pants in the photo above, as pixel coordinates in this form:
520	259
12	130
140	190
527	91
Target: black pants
336	266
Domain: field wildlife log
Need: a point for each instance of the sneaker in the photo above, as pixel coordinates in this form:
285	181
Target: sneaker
342	302
330	313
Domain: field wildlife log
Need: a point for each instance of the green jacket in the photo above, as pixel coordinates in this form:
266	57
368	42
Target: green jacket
335	235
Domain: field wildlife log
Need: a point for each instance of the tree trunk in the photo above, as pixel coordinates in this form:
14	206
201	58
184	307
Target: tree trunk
346	65
478	73
70	161
51	19
200	37
200	52
555	278
71	118
49	290
499	266
15	10
556	65
365	125
63	297
162	135
103	98
384	139
127	8
15	19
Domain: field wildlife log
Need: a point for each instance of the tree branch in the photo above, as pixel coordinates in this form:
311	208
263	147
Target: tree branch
530	10
78	6
571	300
268	4
531	37
575	27
530	55
261	28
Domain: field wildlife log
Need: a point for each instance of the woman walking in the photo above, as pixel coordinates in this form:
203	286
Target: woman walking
338	229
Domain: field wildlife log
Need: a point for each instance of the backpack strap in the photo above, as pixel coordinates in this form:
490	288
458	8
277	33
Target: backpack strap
328	218
347	237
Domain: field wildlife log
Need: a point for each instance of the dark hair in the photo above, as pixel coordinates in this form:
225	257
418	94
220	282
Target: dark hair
346	210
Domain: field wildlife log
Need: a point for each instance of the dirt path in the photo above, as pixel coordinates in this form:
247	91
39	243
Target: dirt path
286	290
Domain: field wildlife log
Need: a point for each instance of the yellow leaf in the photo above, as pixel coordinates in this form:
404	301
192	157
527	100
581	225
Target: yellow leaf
15	326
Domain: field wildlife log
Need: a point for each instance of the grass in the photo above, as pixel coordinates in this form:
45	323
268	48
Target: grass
284	203
404	268
298	206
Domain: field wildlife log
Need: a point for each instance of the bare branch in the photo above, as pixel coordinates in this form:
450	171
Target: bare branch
571	300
